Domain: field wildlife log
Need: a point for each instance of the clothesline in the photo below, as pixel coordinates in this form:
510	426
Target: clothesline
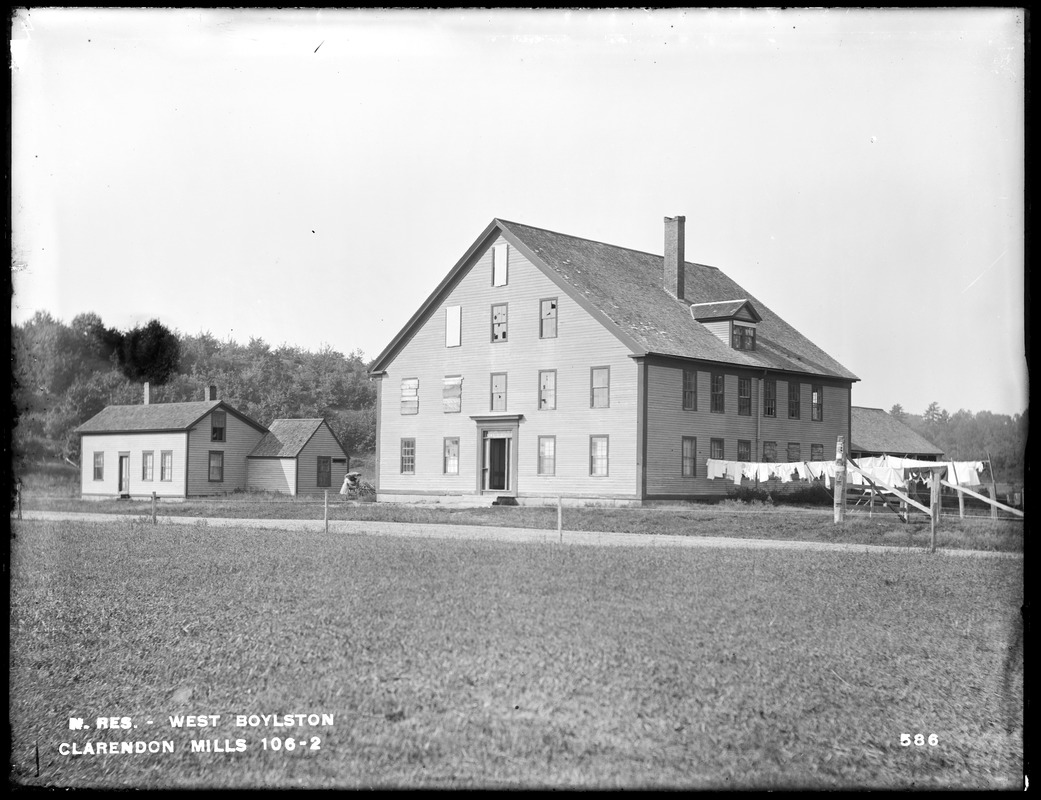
890	470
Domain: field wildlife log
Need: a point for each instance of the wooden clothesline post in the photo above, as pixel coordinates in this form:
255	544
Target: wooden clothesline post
840	480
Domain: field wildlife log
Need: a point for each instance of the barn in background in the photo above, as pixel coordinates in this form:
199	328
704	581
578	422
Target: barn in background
297	456
876	433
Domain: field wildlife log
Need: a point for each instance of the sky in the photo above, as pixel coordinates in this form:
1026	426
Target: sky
308	177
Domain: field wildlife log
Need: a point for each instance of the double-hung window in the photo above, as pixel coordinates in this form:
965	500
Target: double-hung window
744	397
452	394
769	397
498	402
500	264
218	425
499	322
451	456
99	466
816	452
816	402
718	404
548	318
716	448
166	465
216	466
547	455
147	465
600	387
410	396
770	452
598	456
690	390
408	456
689	456
793	399
547	389
744	450
794	451
325	471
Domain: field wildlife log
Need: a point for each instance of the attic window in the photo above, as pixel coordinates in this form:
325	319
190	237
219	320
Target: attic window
500	261
453	326
218	424
743	337
548	319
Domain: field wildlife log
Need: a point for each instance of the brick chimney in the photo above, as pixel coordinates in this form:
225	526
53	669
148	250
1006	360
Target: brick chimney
674	256
148	393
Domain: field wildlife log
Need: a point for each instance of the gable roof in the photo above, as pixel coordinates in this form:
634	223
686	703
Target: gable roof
157	417
624	290
872	430
727	309
286	438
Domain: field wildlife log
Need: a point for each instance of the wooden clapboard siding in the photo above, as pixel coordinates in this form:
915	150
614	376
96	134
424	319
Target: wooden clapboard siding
323	443
272	475
581	343
668	423
239	440
112	444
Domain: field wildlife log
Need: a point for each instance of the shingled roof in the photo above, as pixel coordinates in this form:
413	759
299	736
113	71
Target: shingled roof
156	417
872	430
625	290
286	438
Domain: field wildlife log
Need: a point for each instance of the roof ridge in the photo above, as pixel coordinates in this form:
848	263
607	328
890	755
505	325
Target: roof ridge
605	244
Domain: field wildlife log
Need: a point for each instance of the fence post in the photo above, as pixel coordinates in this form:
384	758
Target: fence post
326	510
560	519
840	479
19	498
154	520
871	506
993	487
934	507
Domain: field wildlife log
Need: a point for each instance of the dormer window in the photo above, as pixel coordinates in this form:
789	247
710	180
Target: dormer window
743	337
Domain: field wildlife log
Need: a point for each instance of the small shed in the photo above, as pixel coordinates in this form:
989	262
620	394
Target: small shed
298	456
877	433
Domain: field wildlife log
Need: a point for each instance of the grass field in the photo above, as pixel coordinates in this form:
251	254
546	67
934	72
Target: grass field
57	490
485	664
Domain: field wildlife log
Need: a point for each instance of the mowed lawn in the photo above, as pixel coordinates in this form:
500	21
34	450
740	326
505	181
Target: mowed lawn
486	664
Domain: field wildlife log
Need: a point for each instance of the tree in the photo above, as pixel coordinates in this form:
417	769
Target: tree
897	411
150	354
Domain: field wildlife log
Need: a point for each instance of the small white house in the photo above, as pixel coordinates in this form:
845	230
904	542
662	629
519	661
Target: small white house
175	450
298	456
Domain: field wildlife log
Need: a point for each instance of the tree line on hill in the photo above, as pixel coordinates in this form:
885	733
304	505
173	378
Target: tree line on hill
965	436
65	374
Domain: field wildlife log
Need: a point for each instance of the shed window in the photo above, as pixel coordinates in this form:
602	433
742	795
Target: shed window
689	456
548	318
218	422
450	464
216	466
816	402
547	389
408	456
147	464
690	390
600	387
453	326
498	391
744	398
99	466
718	404
716	448
166	465
500	264
547	455
452	394
793	399
325	472
410	396
499	322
